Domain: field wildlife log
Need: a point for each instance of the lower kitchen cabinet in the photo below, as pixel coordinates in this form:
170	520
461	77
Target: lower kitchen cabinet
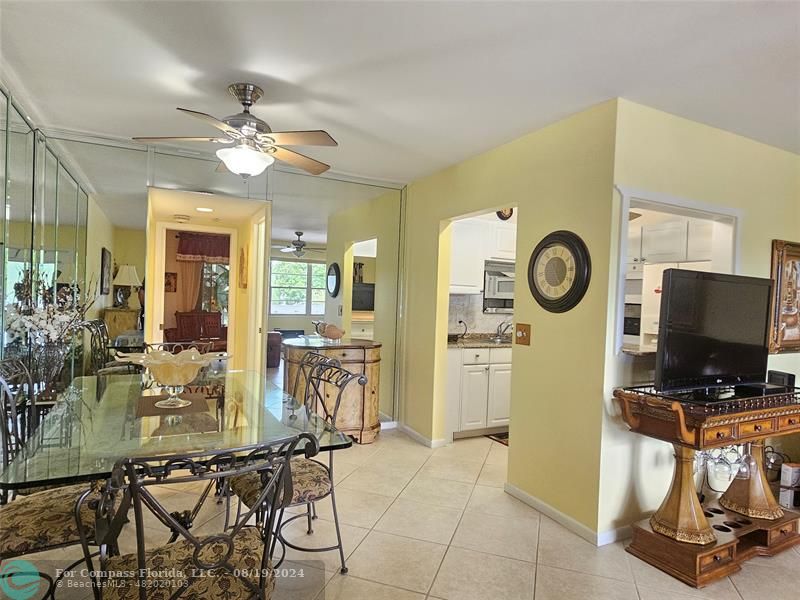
474	395
499	399
479	395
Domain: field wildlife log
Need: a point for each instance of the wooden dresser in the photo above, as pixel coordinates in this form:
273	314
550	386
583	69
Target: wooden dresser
120	320
358	412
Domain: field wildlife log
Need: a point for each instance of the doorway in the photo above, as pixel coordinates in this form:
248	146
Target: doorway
365	268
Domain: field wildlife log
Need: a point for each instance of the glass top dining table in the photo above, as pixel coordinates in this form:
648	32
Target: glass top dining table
99	420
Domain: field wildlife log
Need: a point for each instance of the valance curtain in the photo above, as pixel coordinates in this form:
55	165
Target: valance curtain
204	248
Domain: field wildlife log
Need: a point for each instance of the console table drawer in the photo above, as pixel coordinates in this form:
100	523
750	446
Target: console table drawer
788	422
787	530
346	355
756	427
715	559
724	433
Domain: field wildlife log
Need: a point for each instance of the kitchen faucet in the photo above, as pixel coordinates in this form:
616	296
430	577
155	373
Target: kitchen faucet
502	328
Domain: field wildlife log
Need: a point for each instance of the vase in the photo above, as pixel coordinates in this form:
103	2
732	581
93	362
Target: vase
47	362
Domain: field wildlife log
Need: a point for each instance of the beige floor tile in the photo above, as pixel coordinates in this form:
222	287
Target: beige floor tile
439	492
397	561
466	450
357	453
420	521
296	581
495	501
647	576
383	481
755	582
498	455
646	593
324	535
558	584
451	469
355	507
785	560
469	575
561	548
347	587
493	475
503	536
342	468
397	457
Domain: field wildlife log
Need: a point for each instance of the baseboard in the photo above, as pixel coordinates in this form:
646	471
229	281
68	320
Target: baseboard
418	437
386	421
576	527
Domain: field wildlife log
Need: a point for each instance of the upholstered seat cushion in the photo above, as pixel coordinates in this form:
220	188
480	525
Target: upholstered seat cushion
44	520
169	566
310	482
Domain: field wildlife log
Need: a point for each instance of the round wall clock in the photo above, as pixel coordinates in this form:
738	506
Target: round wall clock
559	271
334	280
504	214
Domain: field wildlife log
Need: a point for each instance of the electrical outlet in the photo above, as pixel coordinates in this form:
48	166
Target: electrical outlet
522	334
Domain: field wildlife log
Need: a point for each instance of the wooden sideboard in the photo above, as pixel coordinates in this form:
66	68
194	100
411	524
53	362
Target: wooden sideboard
699	543
120	320
358	412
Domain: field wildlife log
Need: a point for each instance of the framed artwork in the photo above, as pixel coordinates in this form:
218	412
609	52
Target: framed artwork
784	327
243	252
105	271
170	282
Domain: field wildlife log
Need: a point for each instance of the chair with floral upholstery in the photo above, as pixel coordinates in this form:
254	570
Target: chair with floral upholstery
312	480
48	518
231	565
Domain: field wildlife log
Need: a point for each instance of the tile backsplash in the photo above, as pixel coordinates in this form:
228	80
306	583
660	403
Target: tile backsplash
469	308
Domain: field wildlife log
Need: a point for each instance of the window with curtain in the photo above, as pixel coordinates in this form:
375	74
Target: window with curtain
296	288
214	290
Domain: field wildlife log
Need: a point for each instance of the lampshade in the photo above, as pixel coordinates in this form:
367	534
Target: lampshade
244	160
127	276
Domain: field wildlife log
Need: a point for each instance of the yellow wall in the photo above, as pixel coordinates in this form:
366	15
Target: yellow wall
102	236
129	248
662	153
379	218
561	177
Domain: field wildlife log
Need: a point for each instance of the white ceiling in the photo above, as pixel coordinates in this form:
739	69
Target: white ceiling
405	87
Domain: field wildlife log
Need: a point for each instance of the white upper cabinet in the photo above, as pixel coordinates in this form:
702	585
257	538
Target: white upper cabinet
502	241
466	258
699	246
664	242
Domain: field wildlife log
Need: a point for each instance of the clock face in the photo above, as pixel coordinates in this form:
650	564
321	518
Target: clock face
554	271
559	271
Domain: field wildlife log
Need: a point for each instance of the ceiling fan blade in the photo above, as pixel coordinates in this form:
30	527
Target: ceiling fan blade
221	168
287	249
298	160
182	139
213	121
316	137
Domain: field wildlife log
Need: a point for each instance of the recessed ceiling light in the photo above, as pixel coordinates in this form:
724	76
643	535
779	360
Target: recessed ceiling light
204	209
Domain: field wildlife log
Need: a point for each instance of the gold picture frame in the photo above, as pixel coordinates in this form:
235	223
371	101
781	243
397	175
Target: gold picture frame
243	254
784	327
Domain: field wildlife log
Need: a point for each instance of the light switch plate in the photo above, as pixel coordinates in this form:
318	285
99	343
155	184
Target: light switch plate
522	334
341	309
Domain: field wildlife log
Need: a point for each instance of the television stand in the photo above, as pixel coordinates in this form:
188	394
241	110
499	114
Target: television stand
695	543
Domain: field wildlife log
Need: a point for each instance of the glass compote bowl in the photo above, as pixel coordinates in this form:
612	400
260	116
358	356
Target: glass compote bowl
173	371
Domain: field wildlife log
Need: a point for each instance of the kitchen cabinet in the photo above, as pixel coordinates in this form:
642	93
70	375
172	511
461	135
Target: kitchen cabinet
466	257
501	241
363	330
478	388
499	399
698	246
664	242
474	396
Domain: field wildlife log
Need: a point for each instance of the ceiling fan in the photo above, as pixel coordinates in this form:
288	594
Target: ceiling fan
256	145
297	247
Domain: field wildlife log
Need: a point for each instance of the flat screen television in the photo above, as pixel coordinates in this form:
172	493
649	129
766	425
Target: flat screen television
712	330
363	296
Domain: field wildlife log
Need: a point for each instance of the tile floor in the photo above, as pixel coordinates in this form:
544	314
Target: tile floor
420	523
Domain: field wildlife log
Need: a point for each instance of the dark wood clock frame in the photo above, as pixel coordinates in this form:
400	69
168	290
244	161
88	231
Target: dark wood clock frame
583	271
336	272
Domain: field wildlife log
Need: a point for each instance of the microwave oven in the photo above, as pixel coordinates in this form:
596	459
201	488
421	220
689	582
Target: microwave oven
498	280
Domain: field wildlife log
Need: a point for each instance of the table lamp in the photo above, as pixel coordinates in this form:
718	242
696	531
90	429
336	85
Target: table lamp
126	279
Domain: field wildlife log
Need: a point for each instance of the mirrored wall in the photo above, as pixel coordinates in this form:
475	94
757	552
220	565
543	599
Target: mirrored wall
77	205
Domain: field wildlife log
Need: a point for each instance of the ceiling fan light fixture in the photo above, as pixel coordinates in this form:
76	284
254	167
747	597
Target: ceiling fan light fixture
244	160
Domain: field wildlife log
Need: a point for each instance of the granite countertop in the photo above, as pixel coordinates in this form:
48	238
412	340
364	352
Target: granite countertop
479	340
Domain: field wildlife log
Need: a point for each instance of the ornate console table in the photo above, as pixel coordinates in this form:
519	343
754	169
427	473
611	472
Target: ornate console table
699	544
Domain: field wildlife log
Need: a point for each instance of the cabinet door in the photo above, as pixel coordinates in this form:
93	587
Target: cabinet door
503	242
466	258
698	247
664	242
499	405
634	244
474	396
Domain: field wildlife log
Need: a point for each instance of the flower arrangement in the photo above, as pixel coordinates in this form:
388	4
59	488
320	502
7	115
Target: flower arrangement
50	317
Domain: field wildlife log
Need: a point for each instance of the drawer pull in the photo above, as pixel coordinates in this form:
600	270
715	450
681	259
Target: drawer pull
757	427
720	435
785	531
717	558
792	421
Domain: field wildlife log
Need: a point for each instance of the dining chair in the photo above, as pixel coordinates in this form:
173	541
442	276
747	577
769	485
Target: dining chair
47	517
226	562
312	480
101	359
